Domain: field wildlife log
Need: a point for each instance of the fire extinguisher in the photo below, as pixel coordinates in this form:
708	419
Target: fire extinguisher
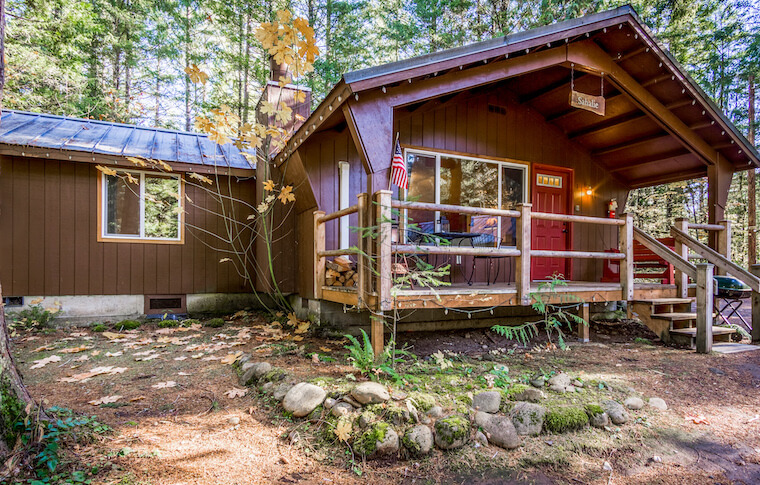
611	208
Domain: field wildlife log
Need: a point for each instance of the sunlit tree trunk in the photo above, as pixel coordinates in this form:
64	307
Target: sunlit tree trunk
751	202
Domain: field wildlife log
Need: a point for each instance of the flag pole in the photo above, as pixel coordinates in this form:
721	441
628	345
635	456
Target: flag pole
393	151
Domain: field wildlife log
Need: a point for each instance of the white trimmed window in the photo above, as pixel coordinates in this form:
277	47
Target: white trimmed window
141	206
443	178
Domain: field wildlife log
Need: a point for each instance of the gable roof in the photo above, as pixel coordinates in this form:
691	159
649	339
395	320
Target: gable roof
102	138
679	130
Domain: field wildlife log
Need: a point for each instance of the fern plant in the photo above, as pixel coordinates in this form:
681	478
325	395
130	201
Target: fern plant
362	357
554	315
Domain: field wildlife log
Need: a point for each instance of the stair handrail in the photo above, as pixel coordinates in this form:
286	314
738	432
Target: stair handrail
714	257
661	250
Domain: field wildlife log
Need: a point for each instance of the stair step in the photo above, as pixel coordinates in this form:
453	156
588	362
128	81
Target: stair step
692	332
674	317
666	301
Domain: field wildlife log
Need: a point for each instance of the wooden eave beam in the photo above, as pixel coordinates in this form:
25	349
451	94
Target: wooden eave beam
608	124
650	161
549	90
593	57
672	177
631	54
644	140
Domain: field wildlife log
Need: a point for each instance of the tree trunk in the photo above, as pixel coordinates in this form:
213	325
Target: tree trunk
188	116
751	198
2	55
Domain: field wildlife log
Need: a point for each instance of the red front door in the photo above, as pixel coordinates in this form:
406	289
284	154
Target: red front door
551	193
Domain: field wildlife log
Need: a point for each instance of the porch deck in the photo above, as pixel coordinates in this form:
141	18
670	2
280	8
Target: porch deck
480	295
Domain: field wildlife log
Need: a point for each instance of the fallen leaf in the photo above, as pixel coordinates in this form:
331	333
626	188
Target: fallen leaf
94	353
235	392
74	350
184	374
44	348
197	356
138	398
164	385
699	419
297	338
343	430
114	354
38	364
85	376
105	400
180	358
315	358
303	327
231	358
325	349
83	358
114	336
211	357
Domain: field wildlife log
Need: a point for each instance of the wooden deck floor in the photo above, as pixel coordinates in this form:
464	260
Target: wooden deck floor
482	295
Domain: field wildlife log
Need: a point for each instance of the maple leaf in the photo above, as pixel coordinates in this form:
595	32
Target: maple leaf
164	385
303	327
38	364
284	16
231	358
104	400
343	430
268	108
286	194
114	354
74	350
200	177
113	336
137	161
235	392
106	171
44	348
292	319
262	207
269	185
284	114
196	75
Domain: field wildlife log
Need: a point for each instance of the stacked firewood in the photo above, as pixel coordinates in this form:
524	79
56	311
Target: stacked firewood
341	271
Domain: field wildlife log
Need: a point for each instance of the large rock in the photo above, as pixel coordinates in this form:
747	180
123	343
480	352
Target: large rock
370	393
378	439
488	402
561	383
616	411
538	381
250	372
634	403
389	445
530	395
418	440
303	398
435	412
341	409
499	430
658	404
452	432
599	420
528	418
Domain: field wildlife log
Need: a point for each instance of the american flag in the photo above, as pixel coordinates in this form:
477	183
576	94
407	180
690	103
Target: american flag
399	176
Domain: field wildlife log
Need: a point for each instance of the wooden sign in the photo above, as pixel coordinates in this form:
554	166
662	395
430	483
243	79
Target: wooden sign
595	104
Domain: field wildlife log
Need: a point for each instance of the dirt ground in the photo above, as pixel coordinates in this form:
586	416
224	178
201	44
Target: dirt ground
191	432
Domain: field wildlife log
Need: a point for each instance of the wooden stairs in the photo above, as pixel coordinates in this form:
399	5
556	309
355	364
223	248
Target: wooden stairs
673	321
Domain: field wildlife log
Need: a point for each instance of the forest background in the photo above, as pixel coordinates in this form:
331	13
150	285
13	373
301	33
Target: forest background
126	61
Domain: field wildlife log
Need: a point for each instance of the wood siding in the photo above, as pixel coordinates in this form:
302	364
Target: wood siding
48	238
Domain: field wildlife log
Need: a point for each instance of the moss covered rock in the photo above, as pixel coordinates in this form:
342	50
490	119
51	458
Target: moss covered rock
423	402
378	439
167	324
566	418
99	328
596	416
127	325
452	432
418	440
528	418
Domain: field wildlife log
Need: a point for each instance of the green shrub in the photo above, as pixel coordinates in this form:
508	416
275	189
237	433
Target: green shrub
189	322
214	323
127	325
167	324
564	419
36	316
99	327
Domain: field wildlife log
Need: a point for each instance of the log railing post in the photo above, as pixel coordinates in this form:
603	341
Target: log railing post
522	266
625	245
724	242
704	307
361	244
583	328
755	269
319	246
682	279
384	263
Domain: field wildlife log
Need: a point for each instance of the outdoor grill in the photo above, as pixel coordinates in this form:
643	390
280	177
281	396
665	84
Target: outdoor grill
729	287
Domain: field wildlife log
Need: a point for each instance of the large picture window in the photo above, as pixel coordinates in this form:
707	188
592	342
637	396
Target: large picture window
465	181
141	206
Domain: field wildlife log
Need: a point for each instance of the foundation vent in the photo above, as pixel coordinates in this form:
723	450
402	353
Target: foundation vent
158	305
501	110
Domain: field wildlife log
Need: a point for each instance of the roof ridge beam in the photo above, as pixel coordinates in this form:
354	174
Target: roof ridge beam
588	54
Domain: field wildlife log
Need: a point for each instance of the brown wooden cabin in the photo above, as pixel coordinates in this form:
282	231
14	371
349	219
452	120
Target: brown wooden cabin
495	148
72	235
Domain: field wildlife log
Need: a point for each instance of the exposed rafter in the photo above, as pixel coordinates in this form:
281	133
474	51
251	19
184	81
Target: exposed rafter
607	124
650	161
644	140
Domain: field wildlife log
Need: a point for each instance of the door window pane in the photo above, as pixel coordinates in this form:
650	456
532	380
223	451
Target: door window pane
161	207
122	207
512	193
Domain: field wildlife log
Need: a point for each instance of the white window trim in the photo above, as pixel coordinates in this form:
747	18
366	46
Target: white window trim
525	167
140	174
343	193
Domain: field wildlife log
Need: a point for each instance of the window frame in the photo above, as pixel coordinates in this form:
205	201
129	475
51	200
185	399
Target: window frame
500	163
103	235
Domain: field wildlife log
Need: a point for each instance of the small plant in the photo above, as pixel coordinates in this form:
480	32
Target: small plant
214	323
35	316
554	315
99	327
189	322
167	324
644	341
363	357
127	325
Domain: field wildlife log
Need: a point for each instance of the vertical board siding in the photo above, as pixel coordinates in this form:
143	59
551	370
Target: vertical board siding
48	238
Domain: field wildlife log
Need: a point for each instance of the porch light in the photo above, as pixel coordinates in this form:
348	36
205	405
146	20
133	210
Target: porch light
589	191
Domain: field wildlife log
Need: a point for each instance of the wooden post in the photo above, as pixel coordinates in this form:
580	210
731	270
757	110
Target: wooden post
522	266
724	242
704	307
583	329
625	245
361	243
384	261
755	269
682	279
319	263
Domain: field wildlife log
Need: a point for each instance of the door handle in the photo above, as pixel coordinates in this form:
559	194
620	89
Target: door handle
564	227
